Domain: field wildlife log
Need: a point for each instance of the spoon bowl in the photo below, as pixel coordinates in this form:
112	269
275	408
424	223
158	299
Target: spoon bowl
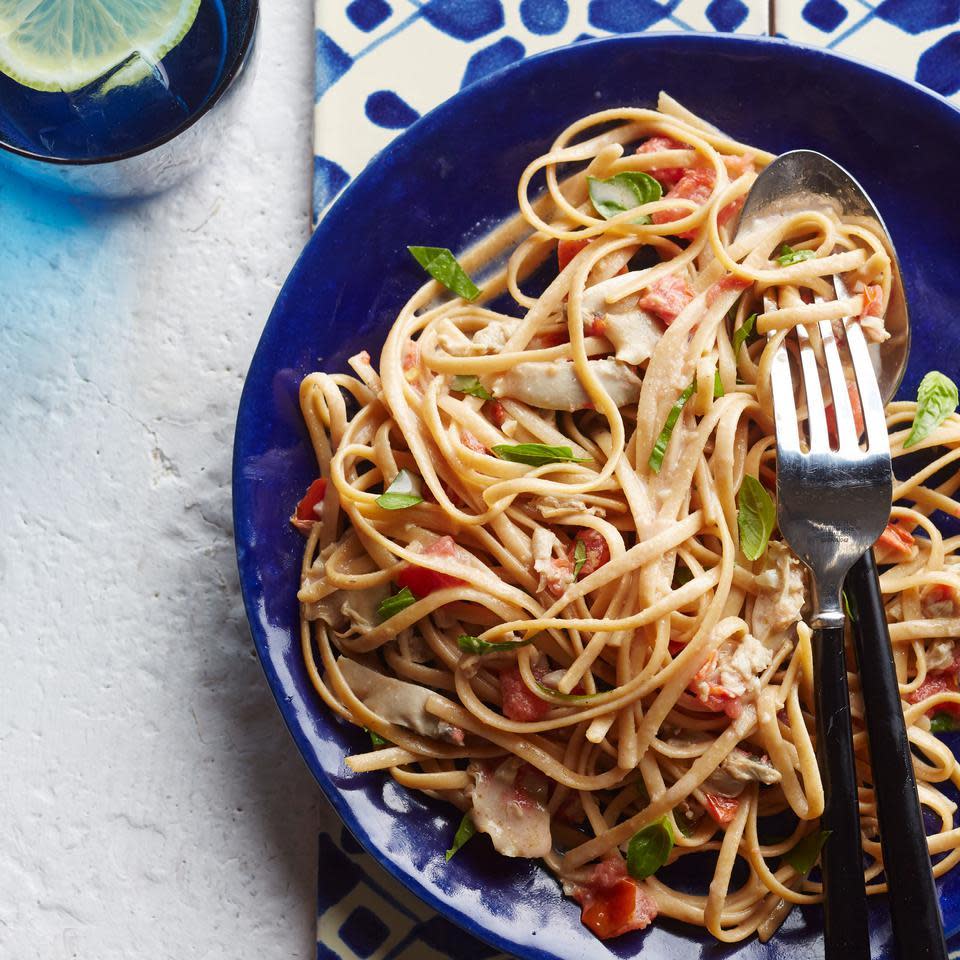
807	180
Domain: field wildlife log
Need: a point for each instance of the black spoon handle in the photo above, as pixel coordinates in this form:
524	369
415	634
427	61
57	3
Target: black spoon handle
917	926
846	935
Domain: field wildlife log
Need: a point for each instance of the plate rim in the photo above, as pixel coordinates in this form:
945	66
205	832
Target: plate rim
336	797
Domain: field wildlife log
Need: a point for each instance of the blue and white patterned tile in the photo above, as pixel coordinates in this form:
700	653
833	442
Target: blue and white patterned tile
364	914
382	63
917	39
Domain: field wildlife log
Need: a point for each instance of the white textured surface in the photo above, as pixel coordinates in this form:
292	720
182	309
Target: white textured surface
152	803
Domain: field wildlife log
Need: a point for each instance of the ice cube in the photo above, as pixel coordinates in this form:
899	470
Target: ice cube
128	107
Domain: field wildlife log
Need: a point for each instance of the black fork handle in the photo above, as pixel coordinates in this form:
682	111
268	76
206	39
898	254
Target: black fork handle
846	934
914	912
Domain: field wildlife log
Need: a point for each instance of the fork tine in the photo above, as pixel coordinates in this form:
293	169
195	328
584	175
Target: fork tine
781	383
816	413
878	440
784	404
842	409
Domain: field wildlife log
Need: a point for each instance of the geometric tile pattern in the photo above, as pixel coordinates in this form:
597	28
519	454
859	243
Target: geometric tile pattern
383	63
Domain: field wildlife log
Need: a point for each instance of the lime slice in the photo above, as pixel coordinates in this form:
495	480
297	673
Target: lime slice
66	44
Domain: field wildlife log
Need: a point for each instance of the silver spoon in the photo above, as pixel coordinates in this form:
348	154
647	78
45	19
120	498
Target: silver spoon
803	180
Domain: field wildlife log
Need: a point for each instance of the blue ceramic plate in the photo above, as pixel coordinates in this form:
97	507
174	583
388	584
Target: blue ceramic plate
446	180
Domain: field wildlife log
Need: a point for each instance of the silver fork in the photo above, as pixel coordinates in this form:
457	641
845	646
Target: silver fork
832	504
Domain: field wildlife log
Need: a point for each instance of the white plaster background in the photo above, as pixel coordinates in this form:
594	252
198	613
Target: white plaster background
152	803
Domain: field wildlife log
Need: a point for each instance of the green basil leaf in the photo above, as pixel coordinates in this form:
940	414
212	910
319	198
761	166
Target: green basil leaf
464	832
579	558
536	454
649	849
622	192
402	493
463	383
377	740
717	386
475	645
944	723
849	606
936	400
806	852
442	265
789	256
660	447
391	606
756	516
743	333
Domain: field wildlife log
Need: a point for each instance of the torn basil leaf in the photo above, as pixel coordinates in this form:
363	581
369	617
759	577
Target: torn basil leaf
475	645
717	386
743	333
788	255
536	454
442	265
471	385
377	740
944	723
402	493
391	606
623	192
806	851
579	557
756	516
660	447
464	832
936	400
649	849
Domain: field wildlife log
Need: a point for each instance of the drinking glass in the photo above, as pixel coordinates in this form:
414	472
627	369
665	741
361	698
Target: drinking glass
142	125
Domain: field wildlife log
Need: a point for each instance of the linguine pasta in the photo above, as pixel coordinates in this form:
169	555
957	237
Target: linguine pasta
540	565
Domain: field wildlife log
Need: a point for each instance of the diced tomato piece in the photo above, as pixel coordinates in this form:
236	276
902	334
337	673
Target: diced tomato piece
518	702
568	249
306	514
721	809
498	413
872	301
553	339
667	176
738	165
696	185
596	326
471	442
896	541
855	408
730	210
422	580
667	298
729	282
612	911
938	681
597	550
